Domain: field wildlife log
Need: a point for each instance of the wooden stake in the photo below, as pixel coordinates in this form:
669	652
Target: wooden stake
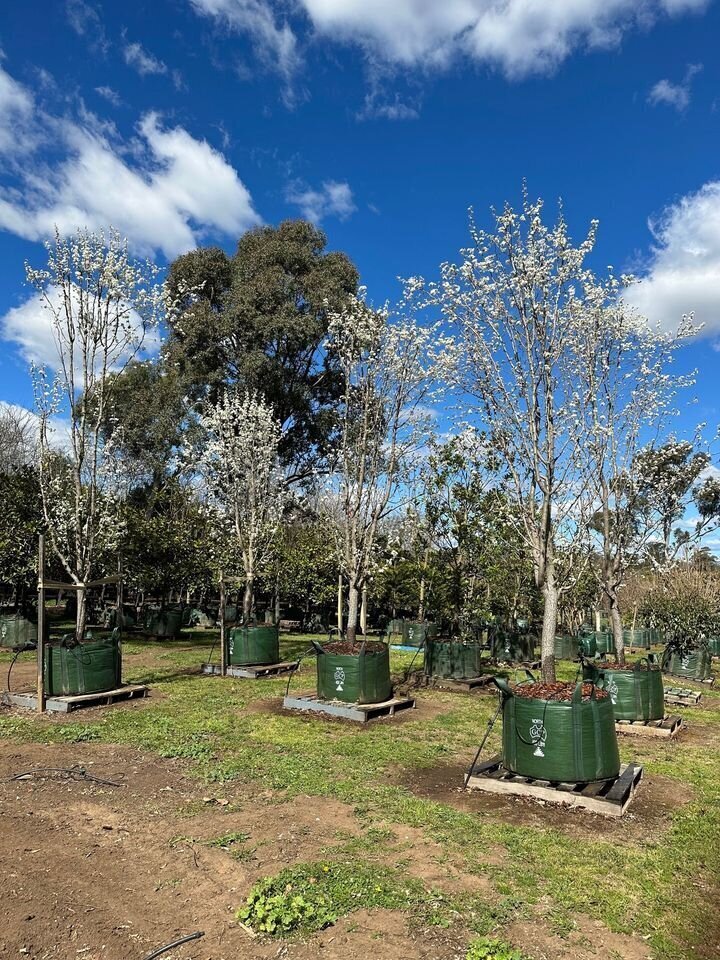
340	604
41	626
223	643
363	612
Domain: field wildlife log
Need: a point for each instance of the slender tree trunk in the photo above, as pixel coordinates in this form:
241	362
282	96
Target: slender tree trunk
421	605
549	627
277	599
81	615
340	603
353	605
617	628
248	600
363	612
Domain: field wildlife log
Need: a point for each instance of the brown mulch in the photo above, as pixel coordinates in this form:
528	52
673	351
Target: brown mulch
348	649
555	691
629	667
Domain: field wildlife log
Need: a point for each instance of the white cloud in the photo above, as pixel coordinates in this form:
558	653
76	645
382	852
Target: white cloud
140	59
333	199
58	427
112	96
675	95
275	43
683	274
16	115
29	327
85	20
171	191
519	36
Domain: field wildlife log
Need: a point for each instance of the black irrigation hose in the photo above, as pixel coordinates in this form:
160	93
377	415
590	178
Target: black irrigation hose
175	943
482	744
12	664
76	773
302	656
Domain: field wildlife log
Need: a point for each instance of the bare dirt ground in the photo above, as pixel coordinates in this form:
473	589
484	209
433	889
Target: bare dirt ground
95	872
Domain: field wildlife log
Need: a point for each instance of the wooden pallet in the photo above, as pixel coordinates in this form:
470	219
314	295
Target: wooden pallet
610	798
682	697
668	727
359	712
255	672
131	691
709	682
460	686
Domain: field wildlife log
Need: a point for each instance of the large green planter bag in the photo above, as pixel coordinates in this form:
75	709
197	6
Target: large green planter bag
414	634
361	678
512	648
691	666
395	628
605	642
559	740
714	645
587	644
164	623
17	631
453	660
637	693
89	667
637	638
253	645
566	648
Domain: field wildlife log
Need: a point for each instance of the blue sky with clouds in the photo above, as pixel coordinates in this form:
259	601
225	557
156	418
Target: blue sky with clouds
183	122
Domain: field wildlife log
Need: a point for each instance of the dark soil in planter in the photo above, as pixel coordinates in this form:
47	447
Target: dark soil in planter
347	649
601	665
555	691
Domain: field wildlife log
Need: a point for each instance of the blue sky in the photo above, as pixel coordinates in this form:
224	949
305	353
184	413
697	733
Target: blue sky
186	121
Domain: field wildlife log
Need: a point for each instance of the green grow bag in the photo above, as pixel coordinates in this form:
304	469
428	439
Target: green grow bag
587	644
512	648
637	693
450	660
415	633
364	678
560	741
231	613
566	648
395	628
714	645
164	623
691	666
89	667
605	642
253	645
17	631
637	638
127	618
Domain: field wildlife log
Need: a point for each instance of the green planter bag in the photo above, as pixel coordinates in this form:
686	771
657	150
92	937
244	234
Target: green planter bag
587	644
512	648
253	645
637	638
414	634
163	623
560	741
17	631
360	678
637	693
714	645
450	660
566	648
605	642
690	666
92	666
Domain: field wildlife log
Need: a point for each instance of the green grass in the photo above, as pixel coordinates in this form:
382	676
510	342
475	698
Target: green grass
632	887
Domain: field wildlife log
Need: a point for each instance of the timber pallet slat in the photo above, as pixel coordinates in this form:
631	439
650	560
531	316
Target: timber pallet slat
359	712
608	797
466	685
682	697
255	672
708	682
69	703
668	727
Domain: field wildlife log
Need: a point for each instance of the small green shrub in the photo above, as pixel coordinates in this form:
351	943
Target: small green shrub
487	949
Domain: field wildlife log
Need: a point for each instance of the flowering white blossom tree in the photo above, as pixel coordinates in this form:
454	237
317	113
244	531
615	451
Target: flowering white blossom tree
241	469
100	304
386	368
628	391
520	300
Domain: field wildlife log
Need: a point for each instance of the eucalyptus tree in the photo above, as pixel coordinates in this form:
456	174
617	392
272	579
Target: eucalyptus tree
244	481
518	303
100	304
386	365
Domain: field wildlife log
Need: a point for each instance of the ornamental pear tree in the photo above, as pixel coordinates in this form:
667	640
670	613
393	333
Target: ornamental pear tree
100	304
628	391
244	481
386	364
519	301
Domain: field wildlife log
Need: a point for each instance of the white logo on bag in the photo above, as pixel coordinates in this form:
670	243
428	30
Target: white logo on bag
685	662
538	737
612	689
339	679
